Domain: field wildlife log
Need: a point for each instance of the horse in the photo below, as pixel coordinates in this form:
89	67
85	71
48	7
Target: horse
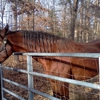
67	67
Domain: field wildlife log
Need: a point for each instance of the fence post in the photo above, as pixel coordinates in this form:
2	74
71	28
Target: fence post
30	77
99	76
1	84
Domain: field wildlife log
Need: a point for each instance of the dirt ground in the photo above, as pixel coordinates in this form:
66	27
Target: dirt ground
41	84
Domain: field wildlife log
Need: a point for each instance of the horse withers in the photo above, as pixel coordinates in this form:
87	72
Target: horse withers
67	67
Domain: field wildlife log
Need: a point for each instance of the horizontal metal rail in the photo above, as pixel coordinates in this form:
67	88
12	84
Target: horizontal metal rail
15	95
26	88
4	98
76	82
88	55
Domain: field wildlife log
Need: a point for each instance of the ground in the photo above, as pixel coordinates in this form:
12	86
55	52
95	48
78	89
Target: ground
41	84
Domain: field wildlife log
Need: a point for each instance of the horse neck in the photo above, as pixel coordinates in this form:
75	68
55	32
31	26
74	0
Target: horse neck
41	42
55	45
96	43
37	43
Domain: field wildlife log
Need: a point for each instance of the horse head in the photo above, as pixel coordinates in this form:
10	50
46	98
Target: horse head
5	49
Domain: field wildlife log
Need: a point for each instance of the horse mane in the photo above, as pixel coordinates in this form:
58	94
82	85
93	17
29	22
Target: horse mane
34	33
39	38
43	39
39	35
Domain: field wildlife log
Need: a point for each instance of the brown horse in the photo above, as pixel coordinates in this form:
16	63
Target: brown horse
67	67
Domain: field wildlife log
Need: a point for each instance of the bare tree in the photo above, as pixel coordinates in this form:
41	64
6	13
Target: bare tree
95	28
80	28
77	19
74	9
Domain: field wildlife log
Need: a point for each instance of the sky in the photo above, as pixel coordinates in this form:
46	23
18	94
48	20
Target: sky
4	7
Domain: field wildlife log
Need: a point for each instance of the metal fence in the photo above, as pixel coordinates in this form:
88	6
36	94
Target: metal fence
31	73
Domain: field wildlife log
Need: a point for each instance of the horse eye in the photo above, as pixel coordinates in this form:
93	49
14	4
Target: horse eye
5	41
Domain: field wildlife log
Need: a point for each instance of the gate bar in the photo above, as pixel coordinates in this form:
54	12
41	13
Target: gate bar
99	76
33	90
30	77
1	83
81	83
15	95
87	55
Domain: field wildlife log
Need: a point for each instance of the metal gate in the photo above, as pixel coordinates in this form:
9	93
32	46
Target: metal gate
31	73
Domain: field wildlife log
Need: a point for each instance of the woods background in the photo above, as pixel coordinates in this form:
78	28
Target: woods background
75	19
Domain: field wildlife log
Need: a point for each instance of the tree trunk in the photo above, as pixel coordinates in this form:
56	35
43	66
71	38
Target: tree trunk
15	16
64	20
81	22
95	28
73	18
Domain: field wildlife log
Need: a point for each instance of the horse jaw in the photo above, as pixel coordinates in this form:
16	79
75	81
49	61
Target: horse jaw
5	54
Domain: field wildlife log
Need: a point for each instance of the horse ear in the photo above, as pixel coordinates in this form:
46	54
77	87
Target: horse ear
4	31
6	28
